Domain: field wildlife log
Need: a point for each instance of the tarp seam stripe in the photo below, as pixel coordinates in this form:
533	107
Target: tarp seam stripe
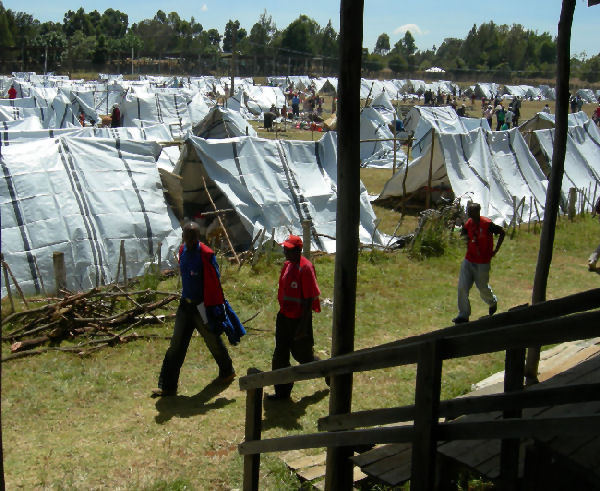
139	197
319	164
20	222
78	193
516	160
238	165
473	170
177	112
286	170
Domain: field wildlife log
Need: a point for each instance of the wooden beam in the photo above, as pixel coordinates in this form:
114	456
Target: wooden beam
460	406
252	433
571	328
339	468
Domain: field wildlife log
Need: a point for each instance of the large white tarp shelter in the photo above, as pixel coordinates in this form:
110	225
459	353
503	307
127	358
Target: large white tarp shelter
487	167
582	159
271	185
377	146
81	197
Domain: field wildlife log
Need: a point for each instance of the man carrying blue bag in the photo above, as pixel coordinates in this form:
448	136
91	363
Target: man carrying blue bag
202	307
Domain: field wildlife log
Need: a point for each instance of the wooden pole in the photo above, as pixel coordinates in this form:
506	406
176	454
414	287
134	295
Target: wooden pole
253	428
37	269
124	263
395	134
60	272
7	285
559	148
306	226
339	468
572	201
237	259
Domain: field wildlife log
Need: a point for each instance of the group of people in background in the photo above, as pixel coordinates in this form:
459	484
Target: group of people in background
506	118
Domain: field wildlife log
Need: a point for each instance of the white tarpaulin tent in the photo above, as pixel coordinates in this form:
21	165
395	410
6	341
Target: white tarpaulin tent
374	126
487	167
421	120
271	184
81	197
223	123
582	159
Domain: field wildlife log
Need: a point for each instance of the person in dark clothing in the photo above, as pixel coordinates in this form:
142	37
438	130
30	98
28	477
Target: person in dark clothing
298	297
115	117
201	293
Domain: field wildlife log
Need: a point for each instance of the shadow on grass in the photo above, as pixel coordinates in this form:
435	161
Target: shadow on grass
286	413
188	406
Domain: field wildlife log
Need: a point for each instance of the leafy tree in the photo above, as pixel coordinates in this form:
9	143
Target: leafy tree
78	21
591	69
232	28
6	28
328	41
397	63
261	34
372	62
100	54
80	47
382	46
113	23
214	38
299	35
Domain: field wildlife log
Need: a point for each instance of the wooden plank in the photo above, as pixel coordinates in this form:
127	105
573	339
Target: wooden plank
521	428
427	400
311	473
337	439
379	452
397	475
577	326
384	465
306	461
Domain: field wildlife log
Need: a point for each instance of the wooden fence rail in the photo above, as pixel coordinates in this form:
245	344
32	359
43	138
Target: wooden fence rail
567	319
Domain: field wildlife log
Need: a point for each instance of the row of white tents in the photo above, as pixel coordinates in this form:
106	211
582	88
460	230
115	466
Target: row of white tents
82	191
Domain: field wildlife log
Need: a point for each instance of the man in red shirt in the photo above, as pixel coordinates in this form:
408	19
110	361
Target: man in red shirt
12	92
475	268
298	296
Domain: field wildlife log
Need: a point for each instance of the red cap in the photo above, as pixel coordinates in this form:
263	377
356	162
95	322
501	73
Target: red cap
292	242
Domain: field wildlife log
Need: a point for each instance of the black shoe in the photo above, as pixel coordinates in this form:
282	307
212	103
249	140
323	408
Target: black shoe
277	397
460	320
493	309
226	379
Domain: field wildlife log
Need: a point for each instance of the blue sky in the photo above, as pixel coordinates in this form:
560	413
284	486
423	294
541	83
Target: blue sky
429	21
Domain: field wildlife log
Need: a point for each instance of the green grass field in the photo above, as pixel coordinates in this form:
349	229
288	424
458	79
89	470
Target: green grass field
89	423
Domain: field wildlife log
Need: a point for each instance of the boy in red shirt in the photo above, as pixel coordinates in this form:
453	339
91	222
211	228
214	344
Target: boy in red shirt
298	296
475	268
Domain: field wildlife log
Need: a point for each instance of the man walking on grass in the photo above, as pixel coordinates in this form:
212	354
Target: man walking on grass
475	268
298	296
202	307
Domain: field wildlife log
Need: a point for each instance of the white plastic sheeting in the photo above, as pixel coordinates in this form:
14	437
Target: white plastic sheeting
272	184
162	108
374	126
487	167
223	123
420	120
82	196
582	159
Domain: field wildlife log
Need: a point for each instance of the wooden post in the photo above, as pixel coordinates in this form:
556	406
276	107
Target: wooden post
37	269
159	256
530	211
428	195
427	402
395	136
559	149
514	366
306	226
60	272
123	262
572	202
339	468
252	432
7	284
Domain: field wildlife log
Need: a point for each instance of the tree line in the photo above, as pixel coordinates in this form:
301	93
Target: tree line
108	36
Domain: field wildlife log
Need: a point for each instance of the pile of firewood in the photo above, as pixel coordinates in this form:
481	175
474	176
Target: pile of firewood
92	320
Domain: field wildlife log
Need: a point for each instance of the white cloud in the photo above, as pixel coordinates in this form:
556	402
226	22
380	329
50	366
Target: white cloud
413	28
204	7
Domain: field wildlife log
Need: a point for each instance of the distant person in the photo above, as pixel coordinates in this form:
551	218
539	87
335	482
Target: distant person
12	92
593	259
115	116
475	268
461	111
573	105
579	101
517	110
202	307
596	115
546	109
298	297
268	119
508	117
500	113
82	118
296	105
488	112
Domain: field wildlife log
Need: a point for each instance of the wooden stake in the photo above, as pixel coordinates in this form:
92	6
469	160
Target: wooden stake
7	284
306	226
571	204
60	272
39	276
123	257
428	195
237	259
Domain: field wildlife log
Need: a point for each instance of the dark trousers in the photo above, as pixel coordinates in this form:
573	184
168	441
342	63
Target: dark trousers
291	338
186	320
